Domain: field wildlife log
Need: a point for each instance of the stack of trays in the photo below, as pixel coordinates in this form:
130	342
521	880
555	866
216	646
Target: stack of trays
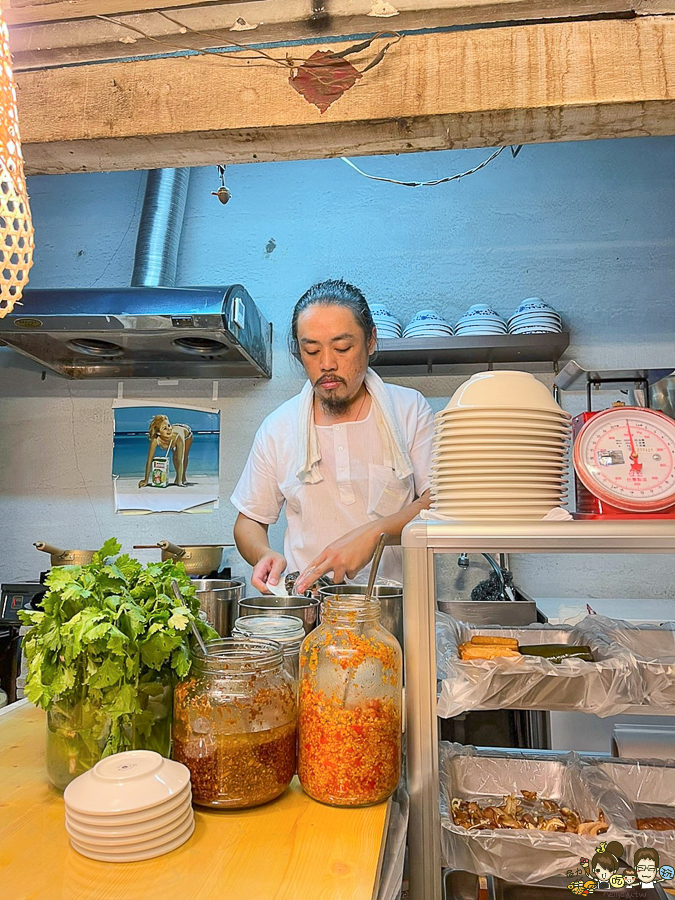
129	807
500	450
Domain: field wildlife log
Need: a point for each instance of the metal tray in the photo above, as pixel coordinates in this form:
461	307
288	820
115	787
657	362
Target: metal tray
608	686
654	649
522	857
648	788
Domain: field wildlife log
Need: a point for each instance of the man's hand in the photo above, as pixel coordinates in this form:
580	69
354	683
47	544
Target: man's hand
269	568
346	556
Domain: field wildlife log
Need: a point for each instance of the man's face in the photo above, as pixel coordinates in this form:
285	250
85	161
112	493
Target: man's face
646	871
334	352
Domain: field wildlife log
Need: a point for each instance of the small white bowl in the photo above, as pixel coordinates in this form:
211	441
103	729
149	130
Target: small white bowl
126	783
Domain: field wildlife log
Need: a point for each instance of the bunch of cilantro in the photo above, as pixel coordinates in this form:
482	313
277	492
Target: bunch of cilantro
104	653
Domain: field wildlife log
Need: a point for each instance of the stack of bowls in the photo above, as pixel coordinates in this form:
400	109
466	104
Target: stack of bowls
533	316
129	807
480	319
500	450
427	323
387	324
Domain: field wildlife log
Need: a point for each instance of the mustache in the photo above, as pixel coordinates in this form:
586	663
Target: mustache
329	378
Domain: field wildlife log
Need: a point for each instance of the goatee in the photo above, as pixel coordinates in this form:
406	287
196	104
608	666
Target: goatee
335	406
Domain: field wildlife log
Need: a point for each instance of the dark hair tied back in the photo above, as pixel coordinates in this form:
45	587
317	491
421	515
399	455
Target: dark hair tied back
334	292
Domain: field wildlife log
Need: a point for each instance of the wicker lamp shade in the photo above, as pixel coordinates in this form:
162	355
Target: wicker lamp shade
16	228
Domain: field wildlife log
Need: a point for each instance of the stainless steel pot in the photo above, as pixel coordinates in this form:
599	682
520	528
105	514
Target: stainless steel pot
219	600
66	557
305	608
198	559
391	603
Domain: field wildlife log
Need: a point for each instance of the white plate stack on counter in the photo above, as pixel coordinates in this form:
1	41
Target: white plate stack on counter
500	450
129	807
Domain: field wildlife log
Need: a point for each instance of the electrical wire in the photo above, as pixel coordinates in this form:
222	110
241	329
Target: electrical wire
445	180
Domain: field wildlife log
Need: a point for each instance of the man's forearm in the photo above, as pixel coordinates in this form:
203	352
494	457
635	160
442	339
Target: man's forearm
392	526
251	539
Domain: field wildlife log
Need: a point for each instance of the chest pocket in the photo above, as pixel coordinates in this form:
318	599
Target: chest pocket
387	494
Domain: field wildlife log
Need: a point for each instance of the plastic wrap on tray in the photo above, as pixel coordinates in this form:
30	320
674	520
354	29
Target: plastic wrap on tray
647	789
519	855
607	687
652	647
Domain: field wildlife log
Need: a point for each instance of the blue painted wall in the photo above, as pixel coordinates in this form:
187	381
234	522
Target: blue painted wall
588	226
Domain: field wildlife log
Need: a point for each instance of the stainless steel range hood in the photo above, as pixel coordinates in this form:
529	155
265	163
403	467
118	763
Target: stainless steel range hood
196	332
151	329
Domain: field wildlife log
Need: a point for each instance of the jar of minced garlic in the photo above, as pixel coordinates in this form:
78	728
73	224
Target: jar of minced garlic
349	731
234	724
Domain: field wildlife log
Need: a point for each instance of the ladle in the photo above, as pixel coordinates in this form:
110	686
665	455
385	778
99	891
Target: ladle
377	556
177	594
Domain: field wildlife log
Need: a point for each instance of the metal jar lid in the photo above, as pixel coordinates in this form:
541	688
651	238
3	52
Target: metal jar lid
285	630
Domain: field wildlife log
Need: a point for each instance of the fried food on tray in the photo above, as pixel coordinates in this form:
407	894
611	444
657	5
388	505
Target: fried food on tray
656	823
529	814
486	651
498	641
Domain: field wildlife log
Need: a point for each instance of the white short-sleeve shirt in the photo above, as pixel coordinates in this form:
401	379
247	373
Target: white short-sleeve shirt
358	483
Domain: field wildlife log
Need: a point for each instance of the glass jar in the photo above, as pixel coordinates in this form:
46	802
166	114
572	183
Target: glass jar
80	732
349	746
285	630
235	723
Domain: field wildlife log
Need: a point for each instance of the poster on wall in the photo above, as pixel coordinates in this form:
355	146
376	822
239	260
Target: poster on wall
165	458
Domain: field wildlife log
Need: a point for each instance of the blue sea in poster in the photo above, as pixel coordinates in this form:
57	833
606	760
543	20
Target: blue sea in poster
130	442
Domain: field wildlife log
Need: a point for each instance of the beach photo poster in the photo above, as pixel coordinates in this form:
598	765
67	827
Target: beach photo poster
166	458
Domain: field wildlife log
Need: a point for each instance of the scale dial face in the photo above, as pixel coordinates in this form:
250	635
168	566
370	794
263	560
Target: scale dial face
626	457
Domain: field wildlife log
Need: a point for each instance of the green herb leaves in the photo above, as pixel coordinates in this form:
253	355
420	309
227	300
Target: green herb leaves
110	639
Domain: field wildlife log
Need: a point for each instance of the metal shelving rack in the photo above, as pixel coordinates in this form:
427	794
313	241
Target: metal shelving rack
421	540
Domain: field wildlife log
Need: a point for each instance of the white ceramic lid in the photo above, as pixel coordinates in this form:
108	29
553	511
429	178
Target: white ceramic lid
126	783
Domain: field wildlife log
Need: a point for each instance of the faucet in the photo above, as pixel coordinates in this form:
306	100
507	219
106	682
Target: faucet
463	563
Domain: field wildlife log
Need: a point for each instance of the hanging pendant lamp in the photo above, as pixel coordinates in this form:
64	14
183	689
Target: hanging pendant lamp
16	228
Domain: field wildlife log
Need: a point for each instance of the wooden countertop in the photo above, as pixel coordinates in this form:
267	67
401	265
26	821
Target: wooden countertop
291	849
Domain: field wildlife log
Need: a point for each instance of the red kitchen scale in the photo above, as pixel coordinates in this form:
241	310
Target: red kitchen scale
624	463
624	457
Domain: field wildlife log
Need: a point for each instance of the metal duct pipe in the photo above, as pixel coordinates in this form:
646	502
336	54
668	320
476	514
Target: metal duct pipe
160	228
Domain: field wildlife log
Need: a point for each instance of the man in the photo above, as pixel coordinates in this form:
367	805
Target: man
349	456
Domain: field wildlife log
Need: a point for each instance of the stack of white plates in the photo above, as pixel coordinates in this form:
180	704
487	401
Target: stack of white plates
427	323
129	807
481	319
500	450
534	316
387	324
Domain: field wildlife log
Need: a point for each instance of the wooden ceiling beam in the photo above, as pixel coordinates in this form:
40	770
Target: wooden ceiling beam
485	87
74	34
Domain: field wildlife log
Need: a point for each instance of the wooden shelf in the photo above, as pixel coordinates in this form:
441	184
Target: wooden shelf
443	356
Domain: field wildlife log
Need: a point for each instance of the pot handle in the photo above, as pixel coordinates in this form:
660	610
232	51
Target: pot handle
173	549
47	548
